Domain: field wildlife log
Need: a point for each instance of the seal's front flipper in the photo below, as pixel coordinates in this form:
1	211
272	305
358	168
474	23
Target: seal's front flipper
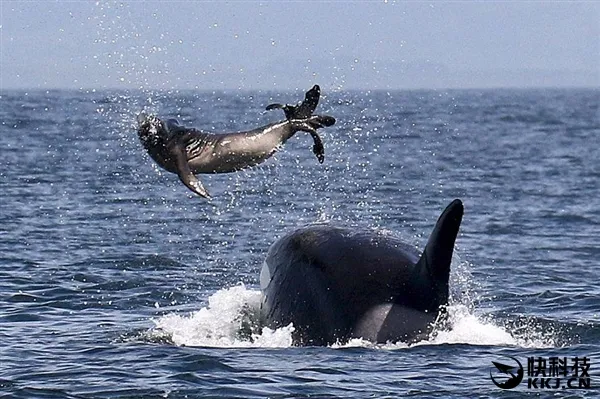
185	173
195	185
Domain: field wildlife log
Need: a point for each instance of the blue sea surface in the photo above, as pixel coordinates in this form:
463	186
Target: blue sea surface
117	282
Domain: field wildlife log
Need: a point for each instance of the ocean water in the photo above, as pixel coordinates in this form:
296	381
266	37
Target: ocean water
117	282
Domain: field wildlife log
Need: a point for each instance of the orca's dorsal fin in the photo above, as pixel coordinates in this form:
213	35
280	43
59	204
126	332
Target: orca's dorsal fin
432	271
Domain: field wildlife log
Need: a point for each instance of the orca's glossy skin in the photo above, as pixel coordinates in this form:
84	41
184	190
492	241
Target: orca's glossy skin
334	284
187	151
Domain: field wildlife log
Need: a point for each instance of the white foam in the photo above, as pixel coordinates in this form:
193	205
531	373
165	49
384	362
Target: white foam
221	322
231	317
466	328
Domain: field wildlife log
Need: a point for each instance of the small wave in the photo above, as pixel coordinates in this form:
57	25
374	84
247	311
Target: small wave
231	320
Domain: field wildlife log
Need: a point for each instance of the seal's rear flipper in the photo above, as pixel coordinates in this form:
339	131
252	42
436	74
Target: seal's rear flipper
311	125
301	118
311	128
185	173
319	121
432	271
303	110
308	106
288	110
318	148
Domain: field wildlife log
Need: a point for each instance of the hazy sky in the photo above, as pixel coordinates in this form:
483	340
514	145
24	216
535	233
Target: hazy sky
293	44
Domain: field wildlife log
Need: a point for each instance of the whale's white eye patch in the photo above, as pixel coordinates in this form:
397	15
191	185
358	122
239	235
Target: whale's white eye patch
265	276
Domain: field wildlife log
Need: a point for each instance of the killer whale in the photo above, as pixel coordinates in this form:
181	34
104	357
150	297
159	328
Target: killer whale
334	284
188	151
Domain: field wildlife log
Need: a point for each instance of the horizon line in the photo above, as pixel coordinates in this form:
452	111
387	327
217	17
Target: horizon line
278	89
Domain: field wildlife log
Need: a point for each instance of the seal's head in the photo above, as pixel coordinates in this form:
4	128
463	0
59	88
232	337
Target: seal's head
151	130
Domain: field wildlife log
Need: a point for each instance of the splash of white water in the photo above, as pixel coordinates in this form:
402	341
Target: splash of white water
221	323
225	323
